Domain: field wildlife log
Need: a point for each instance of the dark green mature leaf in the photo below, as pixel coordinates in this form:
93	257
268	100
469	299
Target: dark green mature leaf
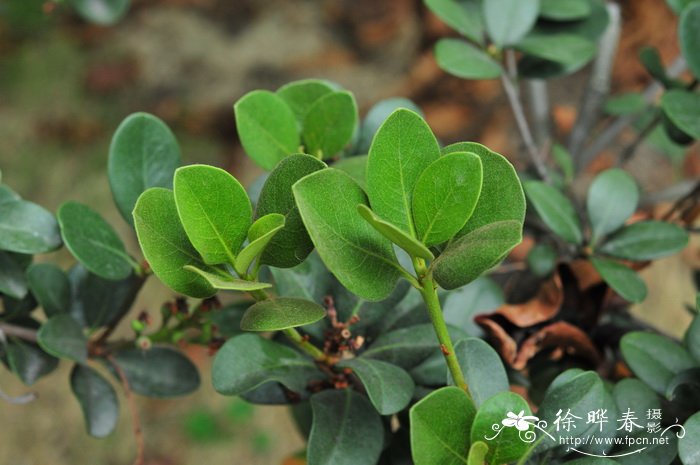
646	240
7	195
97	399
267	127
630	393
650	58
12	279
684	388
214	210
143	154
345	430
440	427
394	234
228	318
93	242
445	196
555	209
612	198
405	347
103	12
402	149
501	196
309	280
25	227
688	447
542	259
689	37
281	313
292	244
507	446
356	167
159	372
654	358
61	336
480	296
329	124
28	361
508	21
466	258
261	232
564	10
373	120
692	337
464	16
462	59
683	109
165	244
226	282
248	361
51	287
565	49
389	387
301	95
361	258
482	368
622	279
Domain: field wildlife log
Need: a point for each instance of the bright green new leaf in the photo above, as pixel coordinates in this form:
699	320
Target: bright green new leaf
402	149
477	453
389	387
622	279
301	95
28	361
103	12
467	257
261	232
683	109
482	368
507	446
12	280
445	196
62	337
93	241
50	285
144	153
564	10
228	283
356	167
394	234
612	198
25	227
464	16
361	258
565	49
508	21
267	127
441	424
462	59
281	313
646	240
555	209
214	210
329	124
689	37
345	430
97	399
688	447
292	244
165	244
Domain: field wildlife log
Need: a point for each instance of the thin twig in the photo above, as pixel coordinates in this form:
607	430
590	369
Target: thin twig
539	110
18	331
135	419
18	400
628	152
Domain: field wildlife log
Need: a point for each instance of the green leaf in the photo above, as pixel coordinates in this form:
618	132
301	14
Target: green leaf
405	347
555	209
330	124
507	447
292	244
688	447
228	283
301	95
689	37
683	109
464	16
309	280
389	387
460	58
563	159
480	296
402	149
622	279
356	167
28	361
565	49
281	313
345	430
361	258
654	359
267	127
159	372
394	234
625	104
62	337
501	196
93	241
102	12
144	153
12	279
612	198
445	196
97	399
564	10
7	195
631	393
650	57
25	227
508	21
440	427
466	258
692	337
541	259
248	361
477	453
646	240
261	232
51	287
482	368
214	210
374	119
165	244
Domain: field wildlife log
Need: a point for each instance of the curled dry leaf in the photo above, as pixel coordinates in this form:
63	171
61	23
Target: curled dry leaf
544	306
560	335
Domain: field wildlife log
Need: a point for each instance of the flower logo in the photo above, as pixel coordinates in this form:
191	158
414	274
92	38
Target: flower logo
521	421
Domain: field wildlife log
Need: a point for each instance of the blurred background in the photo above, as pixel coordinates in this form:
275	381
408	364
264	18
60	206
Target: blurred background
65	85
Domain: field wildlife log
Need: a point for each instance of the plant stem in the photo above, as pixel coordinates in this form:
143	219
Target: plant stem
18	331
135	419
